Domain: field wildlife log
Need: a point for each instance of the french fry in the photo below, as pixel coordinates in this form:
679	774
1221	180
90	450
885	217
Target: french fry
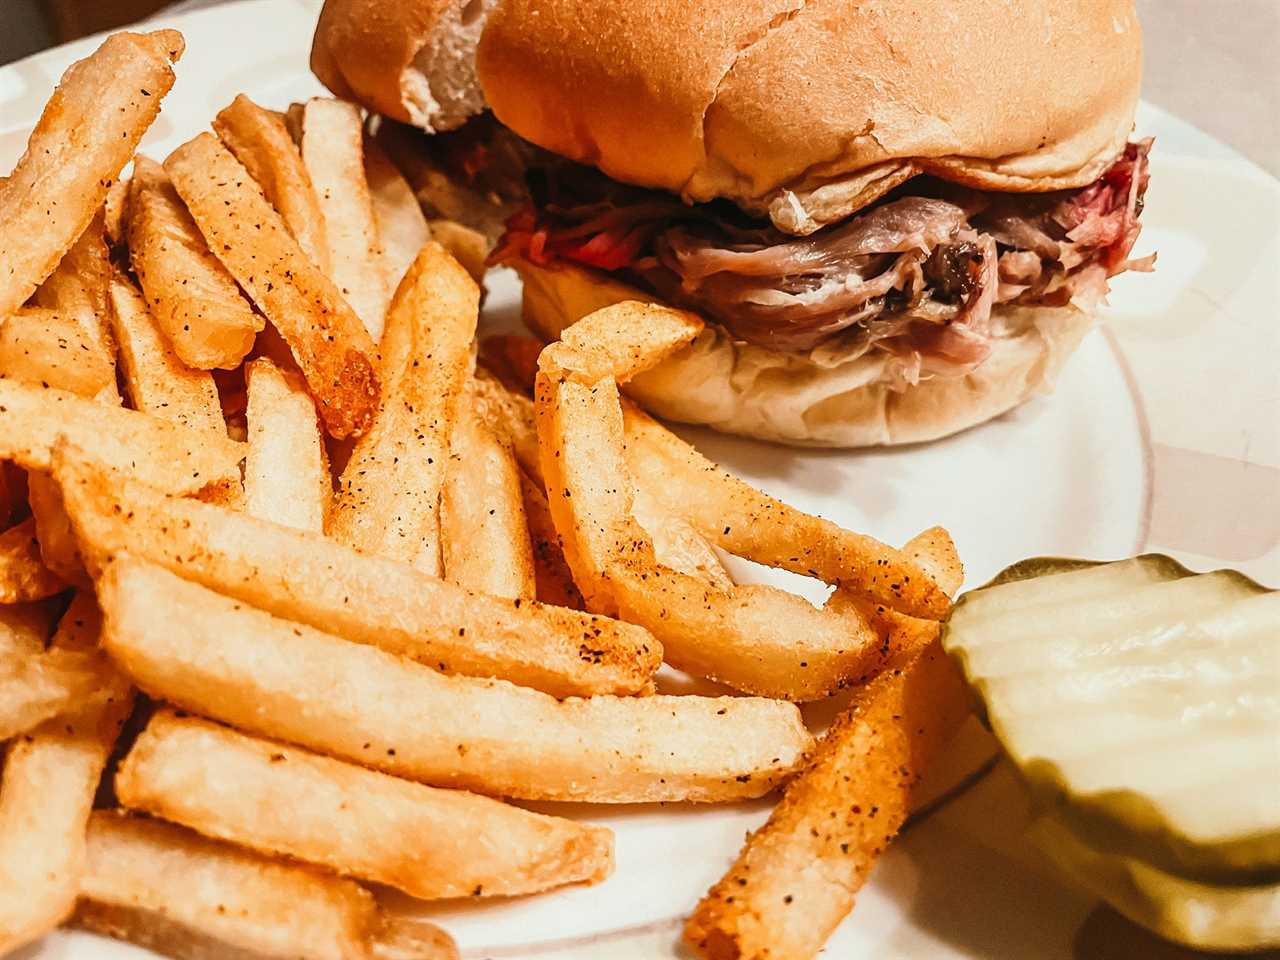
280	799
167	455
402	228
332	150
115	213
259	140
87	133
389	494
469	247
38	684
172	891
286	472
552	576
193	298
54	349
484	531
218	657
332	348
797	876
758	639
23	575
749	523
46	792
50	349
157	381
676	544
313	580
77	288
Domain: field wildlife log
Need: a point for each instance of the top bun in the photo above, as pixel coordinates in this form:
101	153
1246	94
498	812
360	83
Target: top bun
411	60
807	110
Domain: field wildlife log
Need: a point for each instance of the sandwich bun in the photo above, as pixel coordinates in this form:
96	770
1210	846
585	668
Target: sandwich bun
410	60
807	110
801	399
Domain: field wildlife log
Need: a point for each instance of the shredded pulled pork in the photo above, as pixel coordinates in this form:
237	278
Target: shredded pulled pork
915	275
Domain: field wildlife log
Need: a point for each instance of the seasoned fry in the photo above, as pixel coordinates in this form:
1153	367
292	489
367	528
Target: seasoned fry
172	891
510	415
193	298
87	133
388	499
167	455
280	799
216	656
402	228
313	580
749	523
23	575
115	212
797	876
47	789
261	142
156	379
286	472
484	531
50	349
553	578
77	288
332	138
332	348
469	247
37	684
758	639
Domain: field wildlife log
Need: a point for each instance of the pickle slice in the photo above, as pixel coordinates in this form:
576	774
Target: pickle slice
1200	915
1141	703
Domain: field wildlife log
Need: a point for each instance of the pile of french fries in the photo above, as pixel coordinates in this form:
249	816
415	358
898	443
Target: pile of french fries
296	595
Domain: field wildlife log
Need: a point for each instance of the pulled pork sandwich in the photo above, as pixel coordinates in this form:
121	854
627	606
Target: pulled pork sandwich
898	219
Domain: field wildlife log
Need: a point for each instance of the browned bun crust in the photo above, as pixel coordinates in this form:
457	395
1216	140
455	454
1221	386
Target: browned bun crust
763	100
788	397
368	51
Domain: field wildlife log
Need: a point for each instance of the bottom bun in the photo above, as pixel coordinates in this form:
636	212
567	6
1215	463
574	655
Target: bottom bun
811	399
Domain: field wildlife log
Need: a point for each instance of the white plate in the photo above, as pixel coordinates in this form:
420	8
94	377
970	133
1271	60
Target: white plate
1163	434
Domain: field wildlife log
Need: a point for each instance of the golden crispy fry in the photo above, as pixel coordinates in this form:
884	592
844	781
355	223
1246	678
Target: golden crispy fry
172	891
286	473
50	349
796	878
115	213
402	228
47	789
484	531
280	799
23	575
553	578
156	379
746	522
58	548
510	415
332	348
261	142
758	639
87	133
45	348
332	150
366	599
194	299
167	455
388	499
37	684
78	289
469	247
216	656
